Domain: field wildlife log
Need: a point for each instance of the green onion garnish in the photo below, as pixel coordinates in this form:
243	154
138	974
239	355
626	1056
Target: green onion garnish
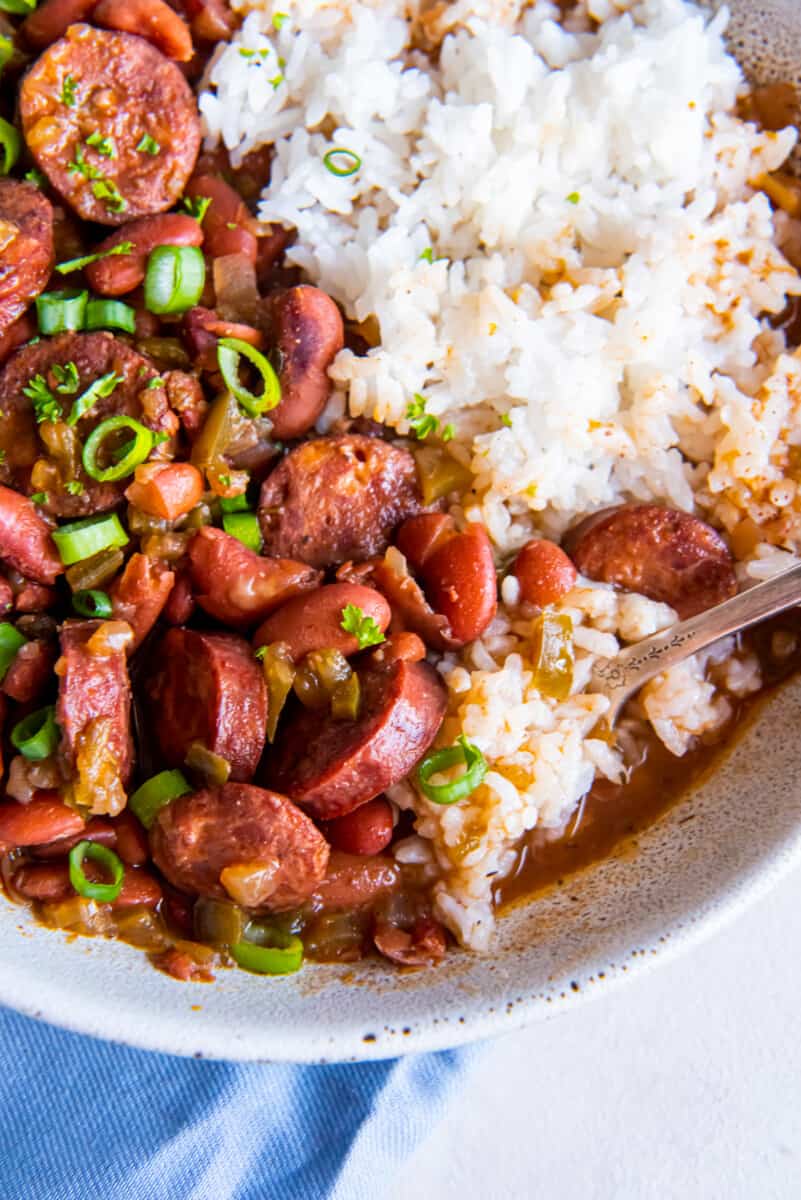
107	190
6	51
68	91
67	380
421	423
20	8
101	388
277	953
475	765
230	351
61	312
365	629
73	487
196	206
278	20
10	641
92	603
427	255
106	893
110	314
35	177
148	145
573	197
448	432
174	279
244	526
155	792
38	497
10	144
36	736
140	448
77	264
82	539
234	504
342	162
103	145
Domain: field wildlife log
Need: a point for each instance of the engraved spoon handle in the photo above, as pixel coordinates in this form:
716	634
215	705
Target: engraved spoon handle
620	677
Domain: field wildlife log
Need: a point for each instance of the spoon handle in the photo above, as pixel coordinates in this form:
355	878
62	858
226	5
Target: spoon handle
621	676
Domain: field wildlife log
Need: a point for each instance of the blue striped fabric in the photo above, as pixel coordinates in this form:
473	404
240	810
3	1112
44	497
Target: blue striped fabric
82	1119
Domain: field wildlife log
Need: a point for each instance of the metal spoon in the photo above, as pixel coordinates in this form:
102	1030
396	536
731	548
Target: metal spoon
620	677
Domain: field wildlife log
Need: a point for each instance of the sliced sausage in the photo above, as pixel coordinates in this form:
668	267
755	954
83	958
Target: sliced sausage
26	247
121	273
25	540
239	587
124	89
30	672
337	498
42	820
197	836
140	593
665	554
330	766
306	328
209	688
94	713
314	621
92	355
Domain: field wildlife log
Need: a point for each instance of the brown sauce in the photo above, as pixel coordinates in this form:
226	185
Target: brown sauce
612	815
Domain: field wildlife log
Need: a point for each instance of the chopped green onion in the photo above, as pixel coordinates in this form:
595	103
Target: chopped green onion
83	539
10	641
68	91
234	504
73	487
276	81
6	51
10	144
196	206
506	420
92	603
457	789
229	353
77	264
142	445
573	197
174	279
67	379
107	190
148	145
448	432
38	498
244	526
110	314
103	145
421	423
36	736
98	390
365	629
106	893
35	177
278	20
61	312
427	255
342	162
155	792
19	8
276	953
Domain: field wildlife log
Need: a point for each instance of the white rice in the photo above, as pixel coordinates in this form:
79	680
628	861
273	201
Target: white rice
557	233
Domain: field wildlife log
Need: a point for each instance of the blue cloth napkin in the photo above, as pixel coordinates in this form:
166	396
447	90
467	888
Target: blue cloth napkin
82	1119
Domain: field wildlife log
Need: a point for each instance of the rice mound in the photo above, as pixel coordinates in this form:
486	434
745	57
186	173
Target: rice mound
555	237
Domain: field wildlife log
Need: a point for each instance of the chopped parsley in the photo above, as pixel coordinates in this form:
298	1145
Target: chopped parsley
421	423
74	487
245	52
448	432
35	177
154	383
107	190
506	420
276	81
77	264
196	206
103	145
158	438
68	89
364	628
101	387
279	19
79	166
148	145
45	405
427	255
39	497
573	197
67	378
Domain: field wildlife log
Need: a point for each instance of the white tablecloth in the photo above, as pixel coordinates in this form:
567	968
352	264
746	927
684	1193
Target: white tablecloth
685	1085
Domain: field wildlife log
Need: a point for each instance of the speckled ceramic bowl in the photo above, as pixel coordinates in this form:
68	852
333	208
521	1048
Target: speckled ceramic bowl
724	845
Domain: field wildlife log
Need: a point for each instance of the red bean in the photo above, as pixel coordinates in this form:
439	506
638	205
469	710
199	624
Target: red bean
227	224
50	882
367	830
314	621
544	572
419	537
42	820
51	19
121	273
151	19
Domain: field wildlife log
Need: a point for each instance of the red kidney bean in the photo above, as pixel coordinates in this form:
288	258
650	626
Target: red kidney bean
50	20
307	329
121	273
419	537
314	621
367	830
227	225
456	569
544	572
151	19
50	882
44	819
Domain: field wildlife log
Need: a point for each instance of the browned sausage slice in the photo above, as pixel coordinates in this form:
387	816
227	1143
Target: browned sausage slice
665	554
209	688
93	713
89	356
337	498
26	247
25	539
119	86
306	328
331	767
198	835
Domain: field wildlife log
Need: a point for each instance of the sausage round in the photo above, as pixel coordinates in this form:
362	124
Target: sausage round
25	540
209	688
197	836
307	330
26	247
94	715
92	355
337	498
124	89
665	554
314	621
330	766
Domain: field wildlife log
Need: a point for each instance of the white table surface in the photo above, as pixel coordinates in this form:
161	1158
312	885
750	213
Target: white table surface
685	1084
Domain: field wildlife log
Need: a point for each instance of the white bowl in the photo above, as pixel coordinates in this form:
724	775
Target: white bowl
729	840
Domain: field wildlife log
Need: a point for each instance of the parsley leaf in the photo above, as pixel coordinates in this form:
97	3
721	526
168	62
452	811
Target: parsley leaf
74	487
278	19
148	145
35	177
196	206
573	197
107	190
506	420
421	423
45	405
77	264
364	628
68	89
276	81
39	497
447	432
67	377
103	145
427	255
79	166
101	387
